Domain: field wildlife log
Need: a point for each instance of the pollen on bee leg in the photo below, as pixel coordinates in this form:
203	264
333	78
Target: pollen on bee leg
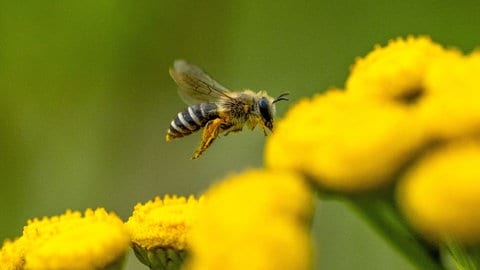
210	133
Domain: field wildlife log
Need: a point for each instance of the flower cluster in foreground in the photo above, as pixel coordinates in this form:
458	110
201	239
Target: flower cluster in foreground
408	121
256	220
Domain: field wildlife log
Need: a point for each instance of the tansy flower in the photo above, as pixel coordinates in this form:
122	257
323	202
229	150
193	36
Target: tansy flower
452	109
442	83
160	228
440	195
96	240
343	142
12	255
395	73
254	220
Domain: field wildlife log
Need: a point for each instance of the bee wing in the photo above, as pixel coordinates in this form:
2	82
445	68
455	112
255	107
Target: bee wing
194	85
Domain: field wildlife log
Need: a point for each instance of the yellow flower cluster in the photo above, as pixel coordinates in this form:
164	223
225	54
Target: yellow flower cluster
96	240
401	102
163	223
254	220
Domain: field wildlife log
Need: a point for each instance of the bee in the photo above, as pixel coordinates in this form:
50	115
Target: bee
215	108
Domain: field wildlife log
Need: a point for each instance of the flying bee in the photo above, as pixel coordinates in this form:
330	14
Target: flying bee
215	108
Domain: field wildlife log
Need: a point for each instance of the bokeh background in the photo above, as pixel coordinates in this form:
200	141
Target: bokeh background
85	97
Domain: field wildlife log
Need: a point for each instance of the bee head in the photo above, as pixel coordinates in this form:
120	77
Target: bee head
267	109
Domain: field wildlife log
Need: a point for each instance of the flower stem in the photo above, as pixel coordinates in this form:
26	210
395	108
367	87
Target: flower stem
464	258
386	220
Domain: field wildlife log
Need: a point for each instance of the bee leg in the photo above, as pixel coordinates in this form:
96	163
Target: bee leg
262	126
233	129
210	133
252	124
264	131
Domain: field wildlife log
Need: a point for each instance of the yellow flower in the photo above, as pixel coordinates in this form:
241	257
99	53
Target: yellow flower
12	255
453	107
440	195
343	142
254	220
163	223
96	240
442	83
395	73
160	230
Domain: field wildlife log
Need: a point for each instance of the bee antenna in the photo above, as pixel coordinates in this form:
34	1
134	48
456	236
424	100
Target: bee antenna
282	96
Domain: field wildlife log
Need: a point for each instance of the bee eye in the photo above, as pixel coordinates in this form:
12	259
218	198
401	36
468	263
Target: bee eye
264	109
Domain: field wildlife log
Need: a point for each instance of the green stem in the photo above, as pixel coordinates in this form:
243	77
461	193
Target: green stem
386	220
464	258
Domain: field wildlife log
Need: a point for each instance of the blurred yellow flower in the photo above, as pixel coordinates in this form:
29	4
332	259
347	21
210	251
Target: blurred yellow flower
254	220
96	240
343	142
399	99
395	73
453	108
440	195
442	83
12	255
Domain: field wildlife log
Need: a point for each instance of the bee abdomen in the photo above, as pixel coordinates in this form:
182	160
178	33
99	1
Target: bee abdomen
191	120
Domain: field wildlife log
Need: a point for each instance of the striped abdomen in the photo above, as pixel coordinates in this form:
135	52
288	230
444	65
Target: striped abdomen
191	120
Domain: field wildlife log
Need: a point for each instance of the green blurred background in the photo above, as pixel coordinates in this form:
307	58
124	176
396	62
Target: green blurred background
86	97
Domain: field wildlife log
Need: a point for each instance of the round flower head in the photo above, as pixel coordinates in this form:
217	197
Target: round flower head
160	230
440	195
394	73
254	220
452	109
344	143
96	240
163	223
441	83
